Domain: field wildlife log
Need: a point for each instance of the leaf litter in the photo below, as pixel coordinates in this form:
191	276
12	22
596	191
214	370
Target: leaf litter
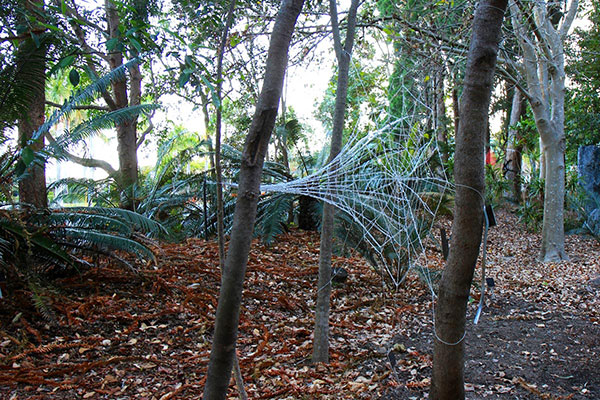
117	335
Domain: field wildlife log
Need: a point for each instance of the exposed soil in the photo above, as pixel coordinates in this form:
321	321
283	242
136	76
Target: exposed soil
110	334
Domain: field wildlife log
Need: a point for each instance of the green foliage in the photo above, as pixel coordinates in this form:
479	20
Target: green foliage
365	84
273	214
495	185
531	211
40	244
582	112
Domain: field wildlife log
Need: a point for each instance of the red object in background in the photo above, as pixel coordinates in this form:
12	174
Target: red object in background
490	158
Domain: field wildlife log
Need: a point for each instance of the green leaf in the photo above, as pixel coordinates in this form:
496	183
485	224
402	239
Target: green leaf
36	39
21	29
27	155
184	78
112	44
51	27
136	44
74	77
67	61
63	63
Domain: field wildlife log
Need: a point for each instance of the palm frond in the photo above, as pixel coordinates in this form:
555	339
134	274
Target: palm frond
97	124
137	221
87	221
72	190
272	216
84	239
37	239
87	94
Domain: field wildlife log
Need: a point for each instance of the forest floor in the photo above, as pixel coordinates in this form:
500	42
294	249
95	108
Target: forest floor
112	334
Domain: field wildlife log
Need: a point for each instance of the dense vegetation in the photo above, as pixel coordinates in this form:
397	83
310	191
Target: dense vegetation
73	76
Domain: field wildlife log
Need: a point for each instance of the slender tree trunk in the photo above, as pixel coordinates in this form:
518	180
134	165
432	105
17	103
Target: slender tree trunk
31	58
455	109
207	129
514	148
321	337
220	212
450	313
440	111
230	296
239	381
553	228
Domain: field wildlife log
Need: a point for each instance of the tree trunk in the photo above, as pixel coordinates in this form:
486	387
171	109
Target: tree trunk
544	65
31	60
455	108
230	296
237	372
440	112
126	130
553	228
514	150
219	114
450	313
321	336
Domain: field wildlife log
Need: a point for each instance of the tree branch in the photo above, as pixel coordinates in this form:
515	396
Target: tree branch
86	162
80	34
84	107
149	129
568	20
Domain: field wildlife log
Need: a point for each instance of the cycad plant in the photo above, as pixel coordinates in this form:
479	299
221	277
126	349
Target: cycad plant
44	242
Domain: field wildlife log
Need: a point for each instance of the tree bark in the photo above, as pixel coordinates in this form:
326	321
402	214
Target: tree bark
544	66
255	148
237	372
450	313
219	114
31	58
514	150
321	336
126	130
440	111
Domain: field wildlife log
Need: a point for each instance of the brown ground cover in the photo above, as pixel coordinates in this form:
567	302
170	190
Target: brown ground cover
111	334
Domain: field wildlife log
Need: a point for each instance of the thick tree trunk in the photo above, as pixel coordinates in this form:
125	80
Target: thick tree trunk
553	228
126	130
544	65
255	148
321	336
31	58
514	150
450	313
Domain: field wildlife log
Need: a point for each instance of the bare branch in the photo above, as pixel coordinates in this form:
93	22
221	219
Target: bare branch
568	21
149	129
84	107
86	162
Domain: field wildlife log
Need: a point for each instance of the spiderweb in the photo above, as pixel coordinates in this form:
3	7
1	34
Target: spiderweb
387	194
